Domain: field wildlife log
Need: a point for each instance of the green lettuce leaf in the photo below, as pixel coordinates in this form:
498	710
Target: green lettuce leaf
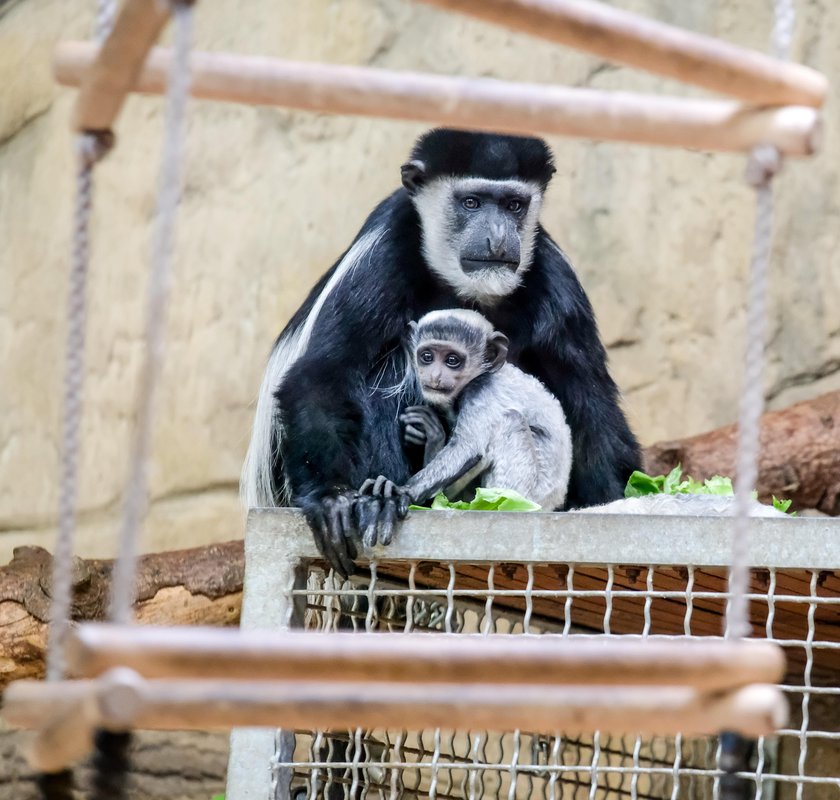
489	499
783	506
641	484
717	484
671	484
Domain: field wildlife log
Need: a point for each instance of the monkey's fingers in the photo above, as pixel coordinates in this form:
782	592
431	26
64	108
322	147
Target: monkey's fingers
367	486
320	532
367	512
344	503
428	415
416	425
338	535
379	485
387	518
415	435
415	409
416	418
403	502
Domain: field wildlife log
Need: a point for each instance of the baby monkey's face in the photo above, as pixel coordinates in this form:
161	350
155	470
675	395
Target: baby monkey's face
443	370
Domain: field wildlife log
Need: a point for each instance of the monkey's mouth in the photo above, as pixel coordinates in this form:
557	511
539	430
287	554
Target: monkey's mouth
478	264
437	391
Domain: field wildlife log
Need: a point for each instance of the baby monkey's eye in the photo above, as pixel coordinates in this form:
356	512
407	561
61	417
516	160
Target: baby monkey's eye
453	361
426	357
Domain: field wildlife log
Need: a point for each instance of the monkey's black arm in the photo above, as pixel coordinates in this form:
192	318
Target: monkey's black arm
328	414
570	360
457	462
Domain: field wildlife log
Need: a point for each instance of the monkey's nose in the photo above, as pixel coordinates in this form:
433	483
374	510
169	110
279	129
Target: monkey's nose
496	246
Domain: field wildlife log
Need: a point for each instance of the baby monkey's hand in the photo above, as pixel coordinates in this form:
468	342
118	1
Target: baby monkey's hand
423	427
379	504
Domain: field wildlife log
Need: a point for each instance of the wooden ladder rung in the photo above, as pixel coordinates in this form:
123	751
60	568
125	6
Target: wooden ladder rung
122	700
622	37
521	108
420	657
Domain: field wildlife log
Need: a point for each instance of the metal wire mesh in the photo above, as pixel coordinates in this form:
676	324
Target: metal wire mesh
798	609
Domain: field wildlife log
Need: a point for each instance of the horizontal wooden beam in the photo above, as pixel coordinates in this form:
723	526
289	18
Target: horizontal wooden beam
123	701
625	38
421	657
104	86
480	103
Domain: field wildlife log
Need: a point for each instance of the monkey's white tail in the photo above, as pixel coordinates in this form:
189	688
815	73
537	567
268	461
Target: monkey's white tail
257	487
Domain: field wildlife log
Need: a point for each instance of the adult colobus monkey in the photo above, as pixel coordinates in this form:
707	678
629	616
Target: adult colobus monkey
462	231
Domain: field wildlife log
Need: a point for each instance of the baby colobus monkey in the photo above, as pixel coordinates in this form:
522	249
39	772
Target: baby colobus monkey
508	430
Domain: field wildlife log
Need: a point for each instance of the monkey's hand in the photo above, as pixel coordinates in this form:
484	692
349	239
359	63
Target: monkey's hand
379	504
423	427
332	523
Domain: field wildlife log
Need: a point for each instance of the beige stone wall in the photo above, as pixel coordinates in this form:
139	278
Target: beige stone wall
660	239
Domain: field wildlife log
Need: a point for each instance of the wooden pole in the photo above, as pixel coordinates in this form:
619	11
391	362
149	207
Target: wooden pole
421	657
625	38
124	701
472	102
104	86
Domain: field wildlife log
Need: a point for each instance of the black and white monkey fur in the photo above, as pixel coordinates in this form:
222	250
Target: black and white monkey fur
463	231
508	430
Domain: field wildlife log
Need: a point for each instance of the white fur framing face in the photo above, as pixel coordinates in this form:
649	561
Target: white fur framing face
486	287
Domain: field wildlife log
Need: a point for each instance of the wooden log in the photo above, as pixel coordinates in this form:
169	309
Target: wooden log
799	459
420	657
125	700
104	86
621	37
197	586
472	102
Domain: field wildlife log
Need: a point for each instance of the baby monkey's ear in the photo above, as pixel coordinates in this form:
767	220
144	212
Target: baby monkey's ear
413	327
497	350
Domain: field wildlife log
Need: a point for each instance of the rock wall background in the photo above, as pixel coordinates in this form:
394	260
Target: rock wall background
660	239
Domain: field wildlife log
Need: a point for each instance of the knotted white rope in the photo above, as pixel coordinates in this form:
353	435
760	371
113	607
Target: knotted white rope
764	163
90	148
169	190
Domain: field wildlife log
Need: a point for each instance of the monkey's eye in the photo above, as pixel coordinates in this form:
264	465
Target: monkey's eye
453	361
470	203
426	357
515	206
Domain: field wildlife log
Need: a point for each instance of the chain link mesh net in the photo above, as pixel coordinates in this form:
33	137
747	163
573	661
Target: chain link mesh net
797	609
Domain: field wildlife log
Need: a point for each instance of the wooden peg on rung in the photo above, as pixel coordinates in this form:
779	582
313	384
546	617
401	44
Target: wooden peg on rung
111	76
64	718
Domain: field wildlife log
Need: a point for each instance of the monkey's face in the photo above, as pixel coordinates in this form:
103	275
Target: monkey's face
478	234
443	370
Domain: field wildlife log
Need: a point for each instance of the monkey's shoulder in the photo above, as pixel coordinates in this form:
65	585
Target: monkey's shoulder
512	389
